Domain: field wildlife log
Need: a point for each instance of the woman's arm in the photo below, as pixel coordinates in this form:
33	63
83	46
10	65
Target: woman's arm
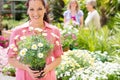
96	21
13	61
64	20
81	21
52	66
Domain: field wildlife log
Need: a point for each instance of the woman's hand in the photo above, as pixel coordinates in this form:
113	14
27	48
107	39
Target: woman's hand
51	66
46	70
33	74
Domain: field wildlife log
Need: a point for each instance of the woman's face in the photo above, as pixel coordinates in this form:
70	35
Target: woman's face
36	10
89	7
73	5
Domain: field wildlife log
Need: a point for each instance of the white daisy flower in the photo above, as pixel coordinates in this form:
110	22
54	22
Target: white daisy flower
11	46
23	38
16	37
22	52
54	35
57	42
31	28
15	49
23	31
38	29
40	44
25	49
40	55
44	34
34	47
52	58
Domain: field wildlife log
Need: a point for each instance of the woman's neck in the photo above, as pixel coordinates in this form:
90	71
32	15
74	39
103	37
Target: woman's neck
73	11
37	24
92	10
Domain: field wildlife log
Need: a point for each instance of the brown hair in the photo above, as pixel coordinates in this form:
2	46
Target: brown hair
46	17
69	6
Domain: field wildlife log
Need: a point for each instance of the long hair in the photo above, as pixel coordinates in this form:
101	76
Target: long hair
46	17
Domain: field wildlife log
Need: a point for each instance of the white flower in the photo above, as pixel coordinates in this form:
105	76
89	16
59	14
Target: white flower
54	35
69	32
25	49
31	28
40	55
52	58
64	31
23	38
57	42
61	75
44	34
62	67
23	31
22	52
15	49
34	47
40	44
16	37
38	29
12	46
67	73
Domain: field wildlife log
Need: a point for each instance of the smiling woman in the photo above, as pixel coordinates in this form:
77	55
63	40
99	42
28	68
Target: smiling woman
37	12
38	24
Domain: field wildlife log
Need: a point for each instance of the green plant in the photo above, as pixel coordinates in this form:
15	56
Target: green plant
69	34
56	8
73	60
34	49
113	76
12	23
103	41
108	11
101	56
9	70
6	6
94	40
86	39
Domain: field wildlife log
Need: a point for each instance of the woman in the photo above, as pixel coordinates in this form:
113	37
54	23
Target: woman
37	11
93	18
73	14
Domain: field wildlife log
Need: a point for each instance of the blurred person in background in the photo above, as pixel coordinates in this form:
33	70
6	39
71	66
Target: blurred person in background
93	17
73	15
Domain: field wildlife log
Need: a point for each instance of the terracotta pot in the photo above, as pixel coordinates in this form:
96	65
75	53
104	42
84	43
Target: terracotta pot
65	49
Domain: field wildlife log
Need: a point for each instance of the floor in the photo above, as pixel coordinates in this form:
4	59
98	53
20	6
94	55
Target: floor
4	77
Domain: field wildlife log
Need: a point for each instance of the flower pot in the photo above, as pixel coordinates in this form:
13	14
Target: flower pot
65	49
40	69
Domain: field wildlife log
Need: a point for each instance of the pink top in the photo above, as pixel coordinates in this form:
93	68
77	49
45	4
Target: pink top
52	34
73	18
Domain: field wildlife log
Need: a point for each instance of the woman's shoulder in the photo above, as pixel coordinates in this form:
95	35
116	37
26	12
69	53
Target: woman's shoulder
66	12
95	12
80	12
19	28
54	28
